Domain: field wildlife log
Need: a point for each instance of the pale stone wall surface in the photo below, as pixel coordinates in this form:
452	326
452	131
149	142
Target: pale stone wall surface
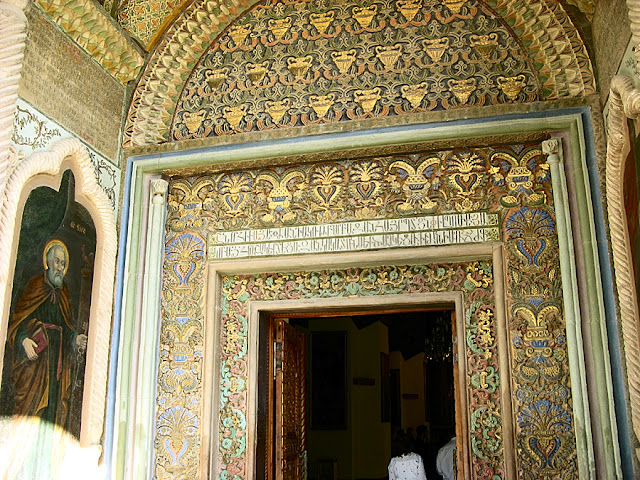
64	83
611	35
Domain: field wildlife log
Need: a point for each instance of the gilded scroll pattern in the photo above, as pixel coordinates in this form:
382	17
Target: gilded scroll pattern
177	441
548	38
475	280
511	181
280	67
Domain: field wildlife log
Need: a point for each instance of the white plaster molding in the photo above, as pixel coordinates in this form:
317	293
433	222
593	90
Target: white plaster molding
624	103
44	168
13	26
144	408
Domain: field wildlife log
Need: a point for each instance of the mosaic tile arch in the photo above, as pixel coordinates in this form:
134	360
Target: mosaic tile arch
511	182
287	63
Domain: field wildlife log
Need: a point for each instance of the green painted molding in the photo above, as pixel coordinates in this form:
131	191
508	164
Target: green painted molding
97	34
553	149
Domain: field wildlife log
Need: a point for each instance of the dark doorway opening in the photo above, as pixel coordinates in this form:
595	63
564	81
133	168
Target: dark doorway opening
368	377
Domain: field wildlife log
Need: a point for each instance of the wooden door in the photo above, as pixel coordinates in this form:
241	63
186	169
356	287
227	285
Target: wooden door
458	469
290	445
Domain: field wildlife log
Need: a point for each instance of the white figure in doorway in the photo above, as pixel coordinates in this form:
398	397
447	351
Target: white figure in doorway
406	466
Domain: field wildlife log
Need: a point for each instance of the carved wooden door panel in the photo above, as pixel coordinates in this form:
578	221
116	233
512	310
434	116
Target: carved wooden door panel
290	410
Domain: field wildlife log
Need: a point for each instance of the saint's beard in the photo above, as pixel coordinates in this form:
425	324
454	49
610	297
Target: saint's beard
55	278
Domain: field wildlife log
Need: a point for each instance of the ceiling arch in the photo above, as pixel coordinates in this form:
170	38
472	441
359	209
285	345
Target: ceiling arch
535	49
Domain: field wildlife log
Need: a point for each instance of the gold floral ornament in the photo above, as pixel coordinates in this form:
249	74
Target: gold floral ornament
436	47
216	77
322	20
277	109
299	66
365	181
484	44
343	60
279	26
485	337
409	8
193	120
519	179
326	182
235	114
322	103
511	86
389	55
466	178
257	71
235	189
537	335
239	32
280	197
364	15
367	98
462	89
415	93
416	185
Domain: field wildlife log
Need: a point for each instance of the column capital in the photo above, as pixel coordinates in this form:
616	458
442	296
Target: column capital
552	148
159	188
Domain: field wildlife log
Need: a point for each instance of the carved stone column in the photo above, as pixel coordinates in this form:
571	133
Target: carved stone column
624	103
13	27
149	336
553	150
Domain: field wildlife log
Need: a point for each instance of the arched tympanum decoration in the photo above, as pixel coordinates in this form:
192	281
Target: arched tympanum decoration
47	168
283	64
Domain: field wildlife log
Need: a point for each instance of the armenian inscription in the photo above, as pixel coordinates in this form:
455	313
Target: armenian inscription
421	231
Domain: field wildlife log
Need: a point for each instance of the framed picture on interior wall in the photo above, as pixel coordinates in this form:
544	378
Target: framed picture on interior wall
328	380
385	388
45	353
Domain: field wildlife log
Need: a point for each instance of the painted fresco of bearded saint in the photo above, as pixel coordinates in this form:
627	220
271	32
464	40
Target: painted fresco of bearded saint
44	341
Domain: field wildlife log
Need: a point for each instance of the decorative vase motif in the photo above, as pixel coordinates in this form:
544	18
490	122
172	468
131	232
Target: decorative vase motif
415	93
511	86
277	109
322	20
215	77
193	120
279	26
322	104
409	8
435	48
462	89
364	15
239	32
299	66
234	115
367	98
256	72
389	55
343	60
484	44
454	5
